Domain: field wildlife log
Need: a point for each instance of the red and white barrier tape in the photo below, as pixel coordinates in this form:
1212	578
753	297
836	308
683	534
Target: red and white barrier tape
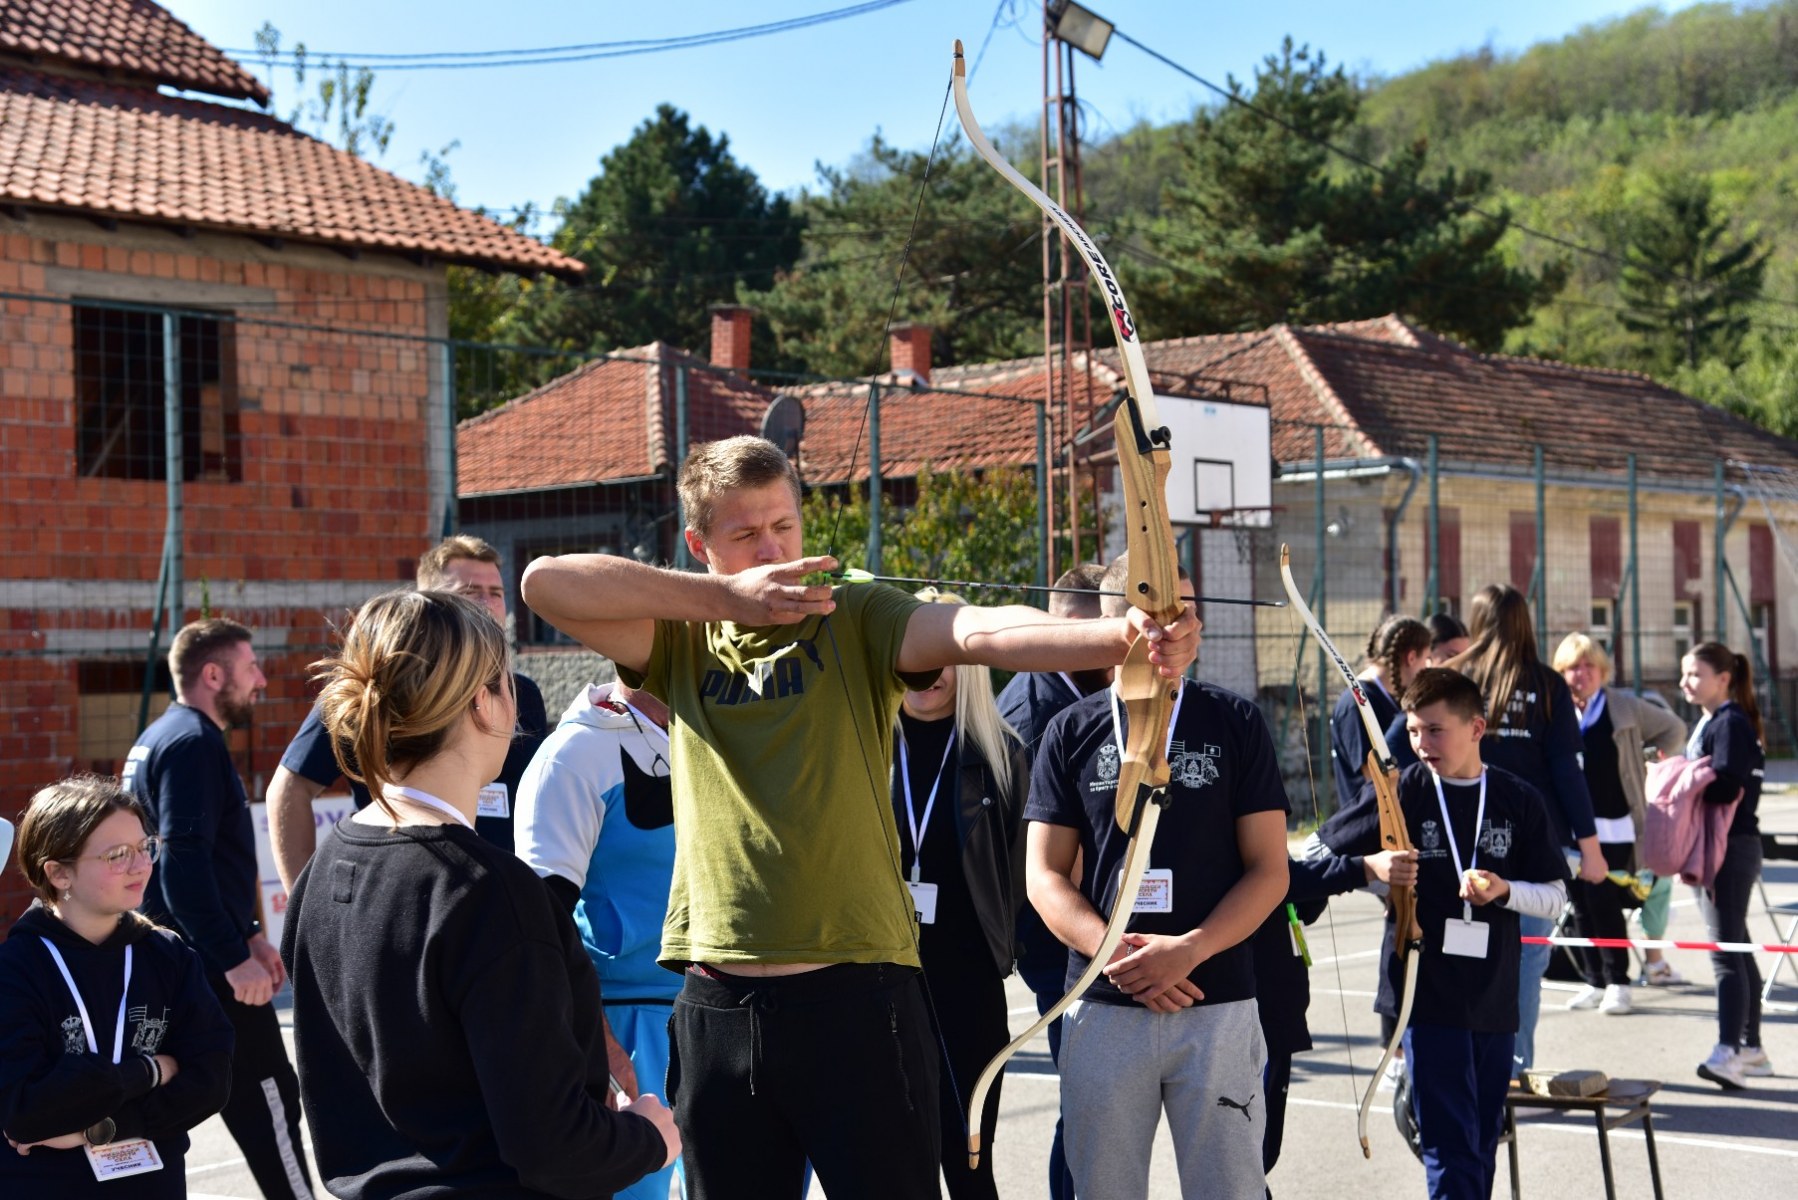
1662	944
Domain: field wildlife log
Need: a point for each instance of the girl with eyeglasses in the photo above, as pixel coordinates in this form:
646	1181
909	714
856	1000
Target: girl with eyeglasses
112	1045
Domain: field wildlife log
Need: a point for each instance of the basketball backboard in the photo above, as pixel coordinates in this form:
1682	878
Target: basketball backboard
1222	462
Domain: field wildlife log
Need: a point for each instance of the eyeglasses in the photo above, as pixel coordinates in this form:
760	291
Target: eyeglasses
657	761
120	859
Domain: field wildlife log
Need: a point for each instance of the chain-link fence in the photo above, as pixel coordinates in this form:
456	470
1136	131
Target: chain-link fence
162	463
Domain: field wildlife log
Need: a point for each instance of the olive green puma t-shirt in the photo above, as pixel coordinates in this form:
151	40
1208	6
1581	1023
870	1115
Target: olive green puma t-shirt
786	850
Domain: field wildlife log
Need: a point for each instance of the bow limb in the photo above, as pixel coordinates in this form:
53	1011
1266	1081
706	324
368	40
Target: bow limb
1154	586
1136	861
1382	772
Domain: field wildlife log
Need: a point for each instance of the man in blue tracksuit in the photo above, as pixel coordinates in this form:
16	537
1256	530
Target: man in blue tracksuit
206	887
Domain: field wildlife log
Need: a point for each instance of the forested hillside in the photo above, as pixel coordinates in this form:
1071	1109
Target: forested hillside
1581	138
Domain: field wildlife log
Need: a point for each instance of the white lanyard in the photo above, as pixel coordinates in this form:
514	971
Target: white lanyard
1453	848
1073	688
87	1024
1117	728
429	801
1594	709
911	815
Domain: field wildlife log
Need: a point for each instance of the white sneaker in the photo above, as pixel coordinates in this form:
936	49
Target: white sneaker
1660	974
1754	1062
1395	1071
1587	997
1723	1068
1616	1000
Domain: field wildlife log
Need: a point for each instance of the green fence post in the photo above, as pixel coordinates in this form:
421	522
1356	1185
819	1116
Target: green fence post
1432	588
1720	563
1635	587
1320	607
873	478
1539	593
1045	533
683	558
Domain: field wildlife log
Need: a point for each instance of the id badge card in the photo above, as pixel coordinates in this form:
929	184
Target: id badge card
494	802
923	898
129	1156
1467	939
1155	894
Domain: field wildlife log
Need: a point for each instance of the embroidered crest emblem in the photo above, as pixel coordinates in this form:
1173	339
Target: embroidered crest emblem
74	1039
1108	763
1194	768
1495	840
1432	836
150	1030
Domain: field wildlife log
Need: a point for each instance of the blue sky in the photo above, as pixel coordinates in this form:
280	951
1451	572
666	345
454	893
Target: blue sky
818	94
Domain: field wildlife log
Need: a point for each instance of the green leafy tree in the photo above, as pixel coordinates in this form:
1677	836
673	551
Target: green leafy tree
338	109
1260	226
974	273
962	525
671	225
1688	291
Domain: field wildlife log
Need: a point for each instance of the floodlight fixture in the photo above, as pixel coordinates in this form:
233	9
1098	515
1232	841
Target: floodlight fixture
1081	28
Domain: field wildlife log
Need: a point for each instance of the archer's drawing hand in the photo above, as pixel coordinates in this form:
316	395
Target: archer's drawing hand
776	595
1173	647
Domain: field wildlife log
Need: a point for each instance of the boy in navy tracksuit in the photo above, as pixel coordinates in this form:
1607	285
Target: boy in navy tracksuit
1486	854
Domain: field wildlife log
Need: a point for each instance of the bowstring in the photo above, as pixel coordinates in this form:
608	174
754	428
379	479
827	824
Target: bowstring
886	329
1348	1044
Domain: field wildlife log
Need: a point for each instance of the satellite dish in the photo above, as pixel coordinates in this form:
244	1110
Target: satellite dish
784	425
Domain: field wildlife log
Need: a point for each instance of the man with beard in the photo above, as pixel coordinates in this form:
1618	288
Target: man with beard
181	771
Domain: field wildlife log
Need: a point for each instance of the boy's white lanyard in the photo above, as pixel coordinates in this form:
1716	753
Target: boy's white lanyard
1455	850
430	801
1117	725
87	1024
911	814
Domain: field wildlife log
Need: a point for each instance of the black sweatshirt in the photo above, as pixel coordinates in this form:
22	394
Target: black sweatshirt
447	1023
51	1084
1736	755
205	887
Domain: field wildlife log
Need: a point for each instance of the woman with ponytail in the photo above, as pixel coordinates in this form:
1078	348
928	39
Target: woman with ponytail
1719	681
112	1044
958	798
447	1021
1532	732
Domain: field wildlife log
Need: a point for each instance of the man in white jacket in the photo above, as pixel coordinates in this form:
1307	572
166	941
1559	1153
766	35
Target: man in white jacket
595	820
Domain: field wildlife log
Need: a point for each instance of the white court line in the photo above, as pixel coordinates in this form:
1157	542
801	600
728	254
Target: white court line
217	1166
1660	1138
1335	958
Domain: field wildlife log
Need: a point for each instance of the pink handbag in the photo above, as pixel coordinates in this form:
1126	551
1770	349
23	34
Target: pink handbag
1681	834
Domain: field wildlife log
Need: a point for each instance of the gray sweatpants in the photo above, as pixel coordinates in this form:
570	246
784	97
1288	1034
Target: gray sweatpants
1121	1066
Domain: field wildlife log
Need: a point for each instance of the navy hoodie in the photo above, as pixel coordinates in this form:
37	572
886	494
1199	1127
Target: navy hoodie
205	887
51	1084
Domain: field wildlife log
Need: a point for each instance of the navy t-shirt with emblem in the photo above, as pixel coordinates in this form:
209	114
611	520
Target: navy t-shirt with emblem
1516	842
1223	768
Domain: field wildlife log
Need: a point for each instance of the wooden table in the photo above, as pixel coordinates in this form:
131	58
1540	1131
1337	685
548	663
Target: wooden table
1624	1101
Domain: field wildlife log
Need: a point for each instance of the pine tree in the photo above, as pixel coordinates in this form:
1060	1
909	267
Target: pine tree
1688	295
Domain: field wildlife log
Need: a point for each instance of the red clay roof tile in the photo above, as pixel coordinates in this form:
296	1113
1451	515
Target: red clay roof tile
132	39
130	152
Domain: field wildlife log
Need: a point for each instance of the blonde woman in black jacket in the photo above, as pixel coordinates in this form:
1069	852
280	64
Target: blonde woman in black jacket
958	797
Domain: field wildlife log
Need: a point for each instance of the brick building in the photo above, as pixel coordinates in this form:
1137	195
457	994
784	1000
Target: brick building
298	288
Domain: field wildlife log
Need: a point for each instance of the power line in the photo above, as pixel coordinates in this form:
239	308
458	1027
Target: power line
450	60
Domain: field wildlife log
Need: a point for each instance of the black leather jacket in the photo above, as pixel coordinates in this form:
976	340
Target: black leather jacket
989	830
